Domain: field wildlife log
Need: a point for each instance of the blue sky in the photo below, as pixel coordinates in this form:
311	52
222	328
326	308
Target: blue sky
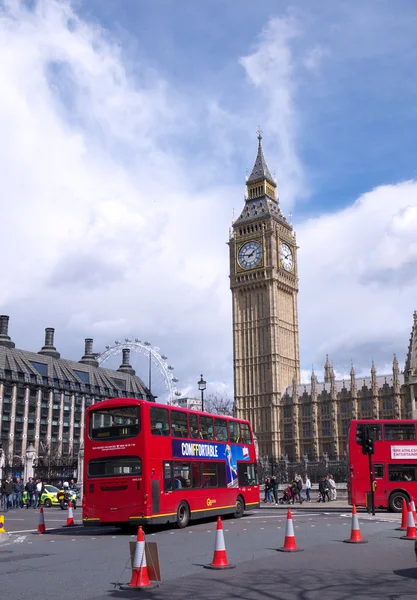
128	128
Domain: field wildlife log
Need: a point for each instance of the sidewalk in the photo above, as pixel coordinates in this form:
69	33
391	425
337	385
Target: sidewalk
333	505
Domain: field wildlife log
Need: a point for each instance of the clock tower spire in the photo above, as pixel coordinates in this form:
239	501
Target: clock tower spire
264	285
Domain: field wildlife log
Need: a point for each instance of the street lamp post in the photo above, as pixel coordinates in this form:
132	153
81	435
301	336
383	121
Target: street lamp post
202	387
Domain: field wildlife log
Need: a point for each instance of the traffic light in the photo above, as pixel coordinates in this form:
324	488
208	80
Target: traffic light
361	437
369	446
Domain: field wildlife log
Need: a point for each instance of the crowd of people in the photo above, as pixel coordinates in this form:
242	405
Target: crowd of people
15	494
294	490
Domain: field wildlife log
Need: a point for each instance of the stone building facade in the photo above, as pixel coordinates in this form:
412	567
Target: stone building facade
289	419
43	398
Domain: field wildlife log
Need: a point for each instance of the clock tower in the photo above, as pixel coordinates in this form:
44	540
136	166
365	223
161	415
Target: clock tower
264	284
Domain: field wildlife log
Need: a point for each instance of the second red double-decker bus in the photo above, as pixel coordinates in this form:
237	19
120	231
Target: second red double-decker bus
394	463
149	463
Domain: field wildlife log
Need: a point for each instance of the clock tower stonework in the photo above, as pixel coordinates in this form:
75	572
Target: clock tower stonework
264	285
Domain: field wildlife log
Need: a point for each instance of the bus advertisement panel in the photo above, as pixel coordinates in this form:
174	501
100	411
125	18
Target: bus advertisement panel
394	463
150	463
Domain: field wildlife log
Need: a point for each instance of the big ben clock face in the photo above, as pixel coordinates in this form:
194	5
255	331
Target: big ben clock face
250	255
286	258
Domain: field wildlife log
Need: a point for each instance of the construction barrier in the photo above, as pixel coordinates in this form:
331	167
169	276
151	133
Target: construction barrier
3	534
289	542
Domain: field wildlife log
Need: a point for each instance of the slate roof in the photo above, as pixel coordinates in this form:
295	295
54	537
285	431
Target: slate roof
260	169
261	208
20	361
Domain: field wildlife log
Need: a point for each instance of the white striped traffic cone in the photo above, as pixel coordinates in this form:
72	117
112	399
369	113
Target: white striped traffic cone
355	535
413	508
41	525
220	558
140	577
70	518
411	533
289	542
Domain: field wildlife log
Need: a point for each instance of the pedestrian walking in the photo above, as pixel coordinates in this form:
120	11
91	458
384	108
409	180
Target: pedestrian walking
332	487
308	488
274	488
7	491
31	493
18	489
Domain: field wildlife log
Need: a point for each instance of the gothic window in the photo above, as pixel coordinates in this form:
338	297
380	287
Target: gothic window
287	412
307	449
366	407
345	427
325	410
306	430
325	429
387	404
306	410
287	431
344	408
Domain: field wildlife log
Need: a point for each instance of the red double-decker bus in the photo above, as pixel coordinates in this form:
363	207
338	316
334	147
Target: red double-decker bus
394	463
150	463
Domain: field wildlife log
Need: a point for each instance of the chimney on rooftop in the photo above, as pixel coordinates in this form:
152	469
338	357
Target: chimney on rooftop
49	349
4	332
126	367
89	358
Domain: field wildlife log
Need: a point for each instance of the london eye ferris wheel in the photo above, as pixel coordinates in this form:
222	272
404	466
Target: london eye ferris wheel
150	365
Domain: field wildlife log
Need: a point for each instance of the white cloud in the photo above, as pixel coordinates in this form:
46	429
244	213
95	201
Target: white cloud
110	232
358	279
274	69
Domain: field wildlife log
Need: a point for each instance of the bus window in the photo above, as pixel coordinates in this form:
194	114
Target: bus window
206	428
402	472
213	474
220	430
115	466
399	432
379	471
234	432
195	474
167	476
209	474
246	437
114	423
247	474
181	473
159	421
179	424
193	423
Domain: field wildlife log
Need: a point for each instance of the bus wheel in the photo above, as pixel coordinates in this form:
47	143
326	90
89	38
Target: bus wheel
183	515
396	501
240	508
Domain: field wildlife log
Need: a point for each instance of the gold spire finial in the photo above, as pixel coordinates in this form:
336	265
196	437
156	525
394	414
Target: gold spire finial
259	132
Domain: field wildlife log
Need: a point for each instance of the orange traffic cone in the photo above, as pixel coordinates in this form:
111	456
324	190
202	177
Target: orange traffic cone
219	558
140	577
41	525
404	518
70	518
355	536
413	508
289	542
411	528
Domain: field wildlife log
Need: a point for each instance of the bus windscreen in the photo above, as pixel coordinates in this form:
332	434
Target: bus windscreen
115	423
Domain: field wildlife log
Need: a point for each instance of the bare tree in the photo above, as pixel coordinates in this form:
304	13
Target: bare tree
218	404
